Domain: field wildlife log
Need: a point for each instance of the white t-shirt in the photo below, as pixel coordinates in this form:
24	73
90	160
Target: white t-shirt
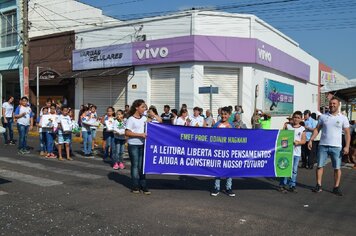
332	128
136	126
9	108
25	120
181	121
51	118
66	123
196	121
298	132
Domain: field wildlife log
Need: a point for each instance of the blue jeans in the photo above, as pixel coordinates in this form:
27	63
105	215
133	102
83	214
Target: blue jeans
43	142
119	150
110	145
87	140
136	158
228	183
292	181
50	141
23	131
333	152
8	125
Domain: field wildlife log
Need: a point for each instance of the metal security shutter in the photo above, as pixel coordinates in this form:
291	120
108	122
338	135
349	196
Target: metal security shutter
228	82
165	87
106	91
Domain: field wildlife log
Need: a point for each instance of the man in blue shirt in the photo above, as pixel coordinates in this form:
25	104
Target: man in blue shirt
308	156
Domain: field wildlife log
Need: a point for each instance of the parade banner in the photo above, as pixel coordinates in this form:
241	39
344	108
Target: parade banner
180	150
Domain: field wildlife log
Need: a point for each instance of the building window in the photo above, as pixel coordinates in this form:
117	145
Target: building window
8	29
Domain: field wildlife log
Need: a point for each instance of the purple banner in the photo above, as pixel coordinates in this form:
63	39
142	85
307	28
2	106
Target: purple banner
180	150
189	49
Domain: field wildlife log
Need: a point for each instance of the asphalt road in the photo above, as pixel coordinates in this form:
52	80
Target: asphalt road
87	197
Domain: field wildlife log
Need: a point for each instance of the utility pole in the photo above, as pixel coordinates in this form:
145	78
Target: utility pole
25	46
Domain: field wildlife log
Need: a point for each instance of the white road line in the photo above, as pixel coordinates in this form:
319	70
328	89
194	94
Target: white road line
29	178
50	169
2	193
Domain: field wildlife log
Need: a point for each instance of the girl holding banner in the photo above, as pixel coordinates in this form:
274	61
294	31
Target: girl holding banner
135	131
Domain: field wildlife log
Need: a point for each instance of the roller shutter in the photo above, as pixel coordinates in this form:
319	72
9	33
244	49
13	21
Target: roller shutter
165	87
227	80
106	91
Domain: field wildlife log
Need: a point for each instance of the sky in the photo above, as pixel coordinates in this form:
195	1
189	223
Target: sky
326	29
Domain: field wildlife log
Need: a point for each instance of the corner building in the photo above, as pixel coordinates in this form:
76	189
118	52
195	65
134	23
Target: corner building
165	60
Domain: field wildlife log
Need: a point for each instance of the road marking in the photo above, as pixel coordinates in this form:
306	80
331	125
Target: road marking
50	169
3	193
29	178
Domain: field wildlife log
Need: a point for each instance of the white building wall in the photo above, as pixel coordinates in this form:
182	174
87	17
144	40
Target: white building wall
188	74
221	25
273	37
247	92
128	31
55	16
140	80
79	96
304	93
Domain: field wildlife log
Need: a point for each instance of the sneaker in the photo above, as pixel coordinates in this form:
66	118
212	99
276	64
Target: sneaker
25	151
282	189
337	191
317	189
11	142
146	191
21	152
121	166
230	193
292	190
116	166
135	190
215	193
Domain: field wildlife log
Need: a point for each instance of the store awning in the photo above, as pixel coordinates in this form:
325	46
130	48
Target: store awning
95	73
347	92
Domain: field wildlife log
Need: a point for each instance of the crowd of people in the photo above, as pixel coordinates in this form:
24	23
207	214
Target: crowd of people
316	135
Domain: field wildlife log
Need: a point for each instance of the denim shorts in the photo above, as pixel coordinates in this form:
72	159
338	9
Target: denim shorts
333	152
64	138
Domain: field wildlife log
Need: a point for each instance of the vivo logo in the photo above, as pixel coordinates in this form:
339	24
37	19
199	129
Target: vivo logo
148	52
264	55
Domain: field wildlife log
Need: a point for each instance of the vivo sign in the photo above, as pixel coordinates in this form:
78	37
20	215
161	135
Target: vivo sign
148	53
263	54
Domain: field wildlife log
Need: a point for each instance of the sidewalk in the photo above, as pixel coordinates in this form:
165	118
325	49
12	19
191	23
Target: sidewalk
75	139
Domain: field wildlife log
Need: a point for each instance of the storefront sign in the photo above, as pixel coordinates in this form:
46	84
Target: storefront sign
279	98
263	54
148	52
103	57
181	150
327	78
189	49
48	75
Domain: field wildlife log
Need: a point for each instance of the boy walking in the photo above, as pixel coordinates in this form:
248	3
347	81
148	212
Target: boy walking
223	123
299	140
24	116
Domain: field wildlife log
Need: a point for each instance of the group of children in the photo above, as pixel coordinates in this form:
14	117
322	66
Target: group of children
113	133
128	125
53	124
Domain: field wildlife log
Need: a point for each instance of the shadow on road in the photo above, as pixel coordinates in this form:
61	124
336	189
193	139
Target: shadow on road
4	181
197	183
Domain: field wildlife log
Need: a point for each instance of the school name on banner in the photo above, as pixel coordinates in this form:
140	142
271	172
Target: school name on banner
181	150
